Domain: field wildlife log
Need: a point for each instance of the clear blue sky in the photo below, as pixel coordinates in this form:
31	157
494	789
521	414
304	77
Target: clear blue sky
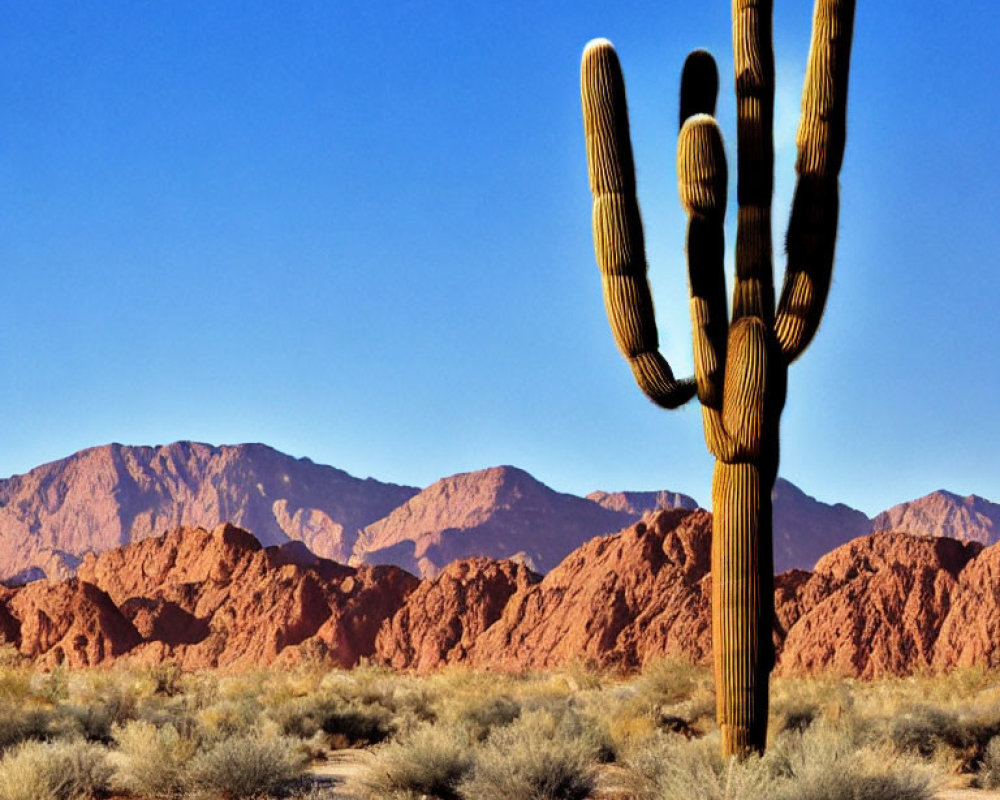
360	232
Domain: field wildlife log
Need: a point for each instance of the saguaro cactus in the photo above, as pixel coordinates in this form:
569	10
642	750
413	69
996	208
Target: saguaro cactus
740	365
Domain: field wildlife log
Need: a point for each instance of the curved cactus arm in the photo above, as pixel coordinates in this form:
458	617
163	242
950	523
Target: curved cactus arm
618	238
701	183
753	57
812	230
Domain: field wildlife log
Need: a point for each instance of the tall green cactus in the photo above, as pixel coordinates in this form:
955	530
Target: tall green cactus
740	365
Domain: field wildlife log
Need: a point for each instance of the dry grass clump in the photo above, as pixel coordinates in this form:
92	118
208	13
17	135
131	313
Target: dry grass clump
428	761
478	715
71	770
824	763
160	762
244	766
541	756
150	761
989	772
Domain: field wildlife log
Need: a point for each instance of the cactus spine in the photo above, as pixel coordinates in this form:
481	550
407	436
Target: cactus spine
741	363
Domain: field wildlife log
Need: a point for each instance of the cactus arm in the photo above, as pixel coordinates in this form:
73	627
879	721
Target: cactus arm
618	237
753	57
701	183
812	230
699	85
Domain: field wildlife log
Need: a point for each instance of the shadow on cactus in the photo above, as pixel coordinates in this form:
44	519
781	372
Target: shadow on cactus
740	362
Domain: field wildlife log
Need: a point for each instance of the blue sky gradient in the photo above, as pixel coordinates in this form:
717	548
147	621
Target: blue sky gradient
360	232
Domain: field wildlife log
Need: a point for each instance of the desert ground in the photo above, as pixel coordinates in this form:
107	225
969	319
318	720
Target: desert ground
455	734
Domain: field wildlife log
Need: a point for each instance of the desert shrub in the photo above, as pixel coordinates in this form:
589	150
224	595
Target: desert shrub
478	715
797	718
426	761
958	733
19	724
300	717
228	718
96	720
99	699
924	730
244	766
356	724
15	674
166	678
581	675
668	766
989	772
150	761
538	757
824	763
671	681
367	704
349	716
53	686
632	717
54	771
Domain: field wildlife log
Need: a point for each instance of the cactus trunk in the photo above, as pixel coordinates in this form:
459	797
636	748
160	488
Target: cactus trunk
742	603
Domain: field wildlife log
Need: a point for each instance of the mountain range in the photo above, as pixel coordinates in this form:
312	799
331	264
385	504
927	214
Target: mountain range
114	495
887	603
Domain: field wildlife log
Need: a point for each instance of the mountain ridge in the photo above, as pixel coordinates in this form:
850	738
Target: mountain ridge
888	603
101	497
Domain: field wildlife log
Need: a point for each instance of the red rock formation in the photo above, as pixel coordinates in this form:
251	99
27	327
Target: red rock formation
444	617
72	623
874	606
205	599
970	634
804	528
10	626
501	512
617	600
884	604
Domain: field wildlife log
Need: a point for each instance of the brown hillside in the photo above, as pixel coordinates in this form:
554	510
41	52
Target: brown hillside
502	512
941	513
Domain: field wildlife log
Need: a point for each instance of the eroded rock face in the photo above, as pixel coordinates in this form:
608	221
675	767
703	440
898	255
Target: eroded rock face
205	599
970	634
886	604
875	606
617	600
446	615
72	623
108	496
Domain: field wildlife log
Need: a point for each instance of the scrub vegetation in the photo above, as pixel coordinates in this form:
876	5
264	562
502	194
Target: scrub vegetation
459	734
